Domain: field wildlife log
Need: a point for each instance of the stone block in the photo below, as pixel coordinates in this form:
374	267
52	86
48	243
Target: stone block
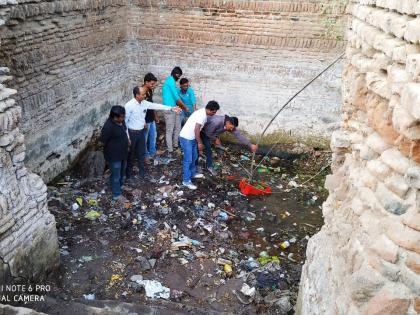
388	270
403	236
412	32
412	220
340	140
410	99
364	284
398	185
413	66
379	169
396	160
417	300
412	261
6	139
398	77
378	83
411	280
375	142
368	180
413	176
366	153
385	249
387	302
405	123
390	202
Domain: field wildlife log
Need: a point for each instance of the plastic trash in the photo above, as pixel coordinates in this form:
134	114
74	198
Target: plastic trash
285	244
93	202
89	297
228	269
223	216
75	206
247	290
258	189
92	215
154	289
79	201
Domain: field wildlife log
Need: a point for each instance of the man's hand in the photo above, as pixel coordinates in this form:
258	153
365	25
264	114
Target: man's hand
200	147
187	110
217	141
129	142
254	148
176	109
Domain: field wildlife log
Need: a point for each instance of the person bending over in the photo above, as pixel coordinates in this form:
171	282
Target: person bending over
211	131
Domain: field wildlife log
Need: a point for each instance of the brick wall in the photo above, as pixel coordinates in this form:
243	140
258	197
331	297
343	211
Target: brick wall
251	56
28	238
370	244
71	60
69	66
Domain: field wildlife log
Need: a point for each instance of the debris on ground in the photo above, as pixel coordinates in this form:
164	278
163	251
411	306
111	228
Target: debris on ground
214	247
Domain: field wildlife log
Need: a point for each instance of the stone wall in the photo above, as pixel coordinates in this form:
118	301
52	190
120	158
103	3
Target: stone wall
69	66
71	60
251	56
366	258
28	237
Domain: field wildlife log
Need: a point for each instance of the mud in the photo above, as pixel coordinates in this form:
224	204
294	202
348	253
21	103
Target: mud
98	257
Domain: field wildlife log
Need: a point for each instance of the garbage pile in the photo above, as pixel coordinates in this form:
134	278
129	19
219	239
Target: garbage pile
213	247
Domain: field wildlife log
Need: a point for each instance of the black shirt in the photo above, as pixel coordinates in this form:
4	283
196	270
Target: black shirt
115	140
150	114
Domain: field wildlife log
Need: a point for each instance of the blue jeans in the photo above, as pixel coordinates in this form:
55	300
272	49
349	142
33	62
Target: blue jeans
150	139
189	147
117	176
207	149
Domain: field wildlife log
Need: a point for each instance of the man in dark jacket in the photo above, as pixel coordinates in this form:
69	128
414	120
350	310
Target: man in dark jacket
214	127
115	138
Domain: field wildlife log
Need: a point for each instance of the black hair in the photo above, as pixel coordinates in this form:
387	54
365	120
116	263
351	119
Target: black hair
149	77
176	70
212	105
116	111
136	91
233	120
183	81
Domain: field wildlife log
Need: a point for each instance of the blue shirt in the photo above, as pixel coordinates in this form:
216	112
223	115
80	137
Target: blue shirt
188	98
169	92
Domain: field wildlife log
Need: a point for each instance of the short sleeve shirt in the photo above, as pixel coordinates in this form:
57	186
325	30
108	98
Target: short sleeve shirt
198	117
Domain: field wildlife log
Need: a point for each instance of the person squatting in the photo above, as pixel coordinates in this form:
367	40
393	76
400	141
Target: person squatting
130	132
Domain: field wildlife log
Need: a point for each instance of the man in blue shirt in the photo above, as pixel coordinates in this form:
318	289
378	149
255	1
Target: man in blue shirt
188	97
170	97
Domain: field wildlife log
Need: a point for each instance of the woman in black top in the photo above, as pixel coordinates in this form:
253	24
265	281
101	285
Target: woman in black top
116	142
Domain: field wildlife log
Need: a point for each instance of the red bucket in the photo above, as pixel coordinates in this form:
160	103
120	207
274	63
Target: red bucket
248	189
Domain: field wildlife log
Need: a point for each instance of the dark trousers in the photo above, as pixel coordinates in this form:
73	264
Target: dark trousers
207	149
137	150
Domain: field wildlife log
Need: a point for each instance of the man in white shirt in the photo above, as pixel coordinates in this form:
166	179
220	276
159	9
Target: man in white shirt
135	121
190	139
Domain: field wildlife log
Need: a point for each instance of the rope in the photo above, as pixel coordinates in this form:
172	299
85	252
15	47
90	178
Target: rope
285	105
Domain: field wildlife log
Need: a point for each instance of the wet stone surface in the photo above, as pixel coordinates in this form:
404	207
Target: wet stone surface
212	248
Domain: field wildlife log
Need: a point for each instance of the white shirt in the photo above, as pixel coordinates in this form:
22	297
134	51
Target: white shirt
197	117
135	113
